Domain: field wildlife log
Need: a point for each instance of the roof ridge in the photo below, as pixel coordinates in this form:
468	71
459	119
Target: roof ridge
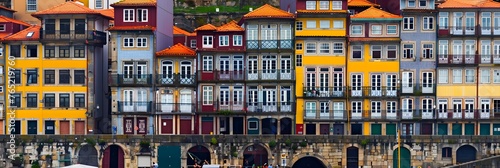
15	20
371	15
273	12
178	49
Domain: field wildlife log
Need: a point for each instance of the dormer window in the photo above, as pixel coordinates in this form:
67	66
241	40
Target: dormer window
411	3
142	15
128	15
208	41
310	5
422	3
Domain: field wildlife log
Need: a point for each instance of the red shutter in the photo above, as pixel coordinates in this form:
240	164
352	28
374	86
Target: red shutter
185	126
166	126
79	128
64	127
121	160
105	159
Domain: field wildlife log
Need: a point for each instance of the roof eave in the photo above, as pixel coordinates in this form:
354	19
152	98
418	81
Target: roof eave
376	19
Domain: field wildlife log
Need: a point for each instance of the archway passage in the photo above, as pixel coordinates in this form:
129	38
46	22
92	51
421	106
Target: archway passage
113	157
466	153
308	162
197	154
352	157
88	156
286	126
405	158
255	154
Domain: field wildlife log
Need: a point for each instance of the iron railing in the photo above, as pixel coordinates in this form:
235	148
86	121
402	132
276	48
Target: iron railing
175	107
458	59
275	75
137	106
489	59
130	79
374	92
325	92
270	44
458	30
418	89
87	36
217	75
176	79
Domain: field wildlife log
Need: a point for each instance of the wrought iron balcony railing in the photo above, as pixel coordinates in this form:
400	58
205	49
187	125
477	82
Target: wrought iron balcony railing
314	114
373	92
386	115
87	36
130	79
270	75
418	89
217	75
489	59
458	59
175	107
464	114
137	106
176	79
325	92
221	106
489	31
458	30
270	44
270	107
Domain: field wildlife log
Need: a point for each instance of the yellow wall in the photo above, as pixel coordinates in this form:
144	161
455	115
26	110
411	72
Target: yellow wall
318	31
40	113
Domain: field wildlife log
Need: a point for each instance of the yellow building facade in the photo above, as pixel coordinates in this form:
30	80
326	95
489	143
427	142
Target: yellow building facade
320	33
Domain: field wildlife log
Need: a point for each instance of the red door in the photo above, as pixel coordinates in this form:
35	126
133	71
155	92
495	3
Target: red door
207	125
105	160
166	125
185	125
64	127
79	128
113	157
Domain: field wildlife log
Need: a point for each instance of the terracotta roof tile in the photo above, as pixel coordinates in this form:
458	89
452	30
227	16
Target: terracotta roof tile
22	35
268	11
177	50
360	3
231	26
321	11
110	13
206	27
368	39
469	4
375	13
132	28
179	31
4	19
69	7
135	3
7	9
3	35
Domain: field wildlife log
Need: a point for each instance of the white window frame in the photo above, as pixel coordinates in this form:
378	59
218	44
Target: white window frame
142	42
208	41
130	13
208	95
414	3
420	4
376	29
336	5
409	23
357	48
310	5
428	23
425	47
324	5
443	20
335	49
208	63
395	29
224	40
457	76
324	48
376	48
338	24
311	24
144	14
29	7
324	24
193	44
470	75
485	76
237	40
354	29
128	42
443	76
311	50
98	4
392	48
408	52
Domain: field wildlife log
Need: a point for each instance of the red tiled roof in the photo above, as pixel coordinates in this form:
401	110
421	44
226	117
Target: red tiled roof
206	27
360	3
4	19
3	35
469	4
7	9
268	11
22	35
368	39
69	7
321	11
132	28
107	12
179	31
177	50
231	26
135	3
375	13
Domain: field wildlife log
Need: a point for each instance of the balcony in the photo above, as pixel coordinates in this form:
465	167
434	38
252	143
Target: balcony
417	114
374	115
269	44
175	107
490	31
221	76
324	92
463	114
176	80
373	92
133	107
221	107
130	80
489	59
274	75
91	37
418	89
458	31
326	115
457	60
270	107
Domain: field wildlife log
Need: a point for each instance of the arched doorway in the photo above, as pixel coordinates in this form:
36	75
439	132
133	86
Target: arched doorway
308	162
465	154
286	126
269	126
88	156
197	154
113	157
352	157
255	154
405	158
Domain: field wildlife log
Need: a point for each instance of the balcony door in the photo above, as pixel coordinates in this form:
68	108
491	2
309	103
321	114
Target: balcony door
457	23
186	99
186	73
269	67
338	82
427	82
391	109
142	72
167	102
391	83
496	23
224	98
469	108
485	108
270	104
224	71
485	23
356	109
338	110
324	109
443	108
142	101
470	23
238	72
167	72
128	72
356	84
427	108
286	68
376	109
128	100
252	68
324	80
485	51
376	85
457	108
286	99
407	82
237	98
310	109
407	108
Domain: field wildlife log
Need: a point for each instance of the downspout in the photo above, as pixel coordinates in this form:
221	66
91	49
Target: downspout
476	61
348	18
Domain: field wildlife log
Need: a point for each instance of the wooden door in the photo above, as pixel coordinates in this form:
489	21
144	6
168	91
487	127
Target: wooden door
79	128
64	128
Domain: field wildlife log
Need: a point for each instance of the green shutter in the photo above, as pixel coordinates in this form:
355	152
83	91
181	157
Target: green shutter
456	129
484	129
390	129
376	129
442	129
469	129
496	129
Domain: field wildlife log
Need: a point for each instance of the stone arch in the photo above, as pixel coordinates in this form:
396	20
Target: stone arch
402	145
240	153
258	155
317	157
197	154
113	157
88	155
189	146
465	153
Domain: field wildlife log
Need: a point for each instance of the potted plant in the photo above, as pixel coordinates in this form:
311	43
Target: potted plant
272	144
213	141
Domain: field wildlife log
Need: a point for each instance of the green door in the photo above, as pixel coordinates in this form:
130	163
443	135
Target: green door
442	129
469	129
496	129
456	129
405	158
169	156
390	129
484	129
376	129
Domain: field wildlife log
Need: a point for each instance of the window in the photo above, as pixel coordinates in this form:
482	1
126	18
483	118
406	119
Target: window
32	76
32	100
357	30
64	77
310	48
377	29
298	25
193	44
392	29
79	51
324	5
324	48
98	4
79	100
422	3
208	41
298	46
336	5
408	51
427	51
338	48
392	51
49	100
428	23
64	52
311	24
79	77
411	3
496	76
50	52
237	40
457	76
324	24
15	50
17	76
207	95
31	51
338	24
142	15
208	63
443	20
298	60
50	26
64	100
253	125
310	5
443	76
31	5
485	76
357	52
469	76
128	15
128	42
80	26
49	77
223	40
15	100
446	152
142	42
408	23
376	51
2	27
